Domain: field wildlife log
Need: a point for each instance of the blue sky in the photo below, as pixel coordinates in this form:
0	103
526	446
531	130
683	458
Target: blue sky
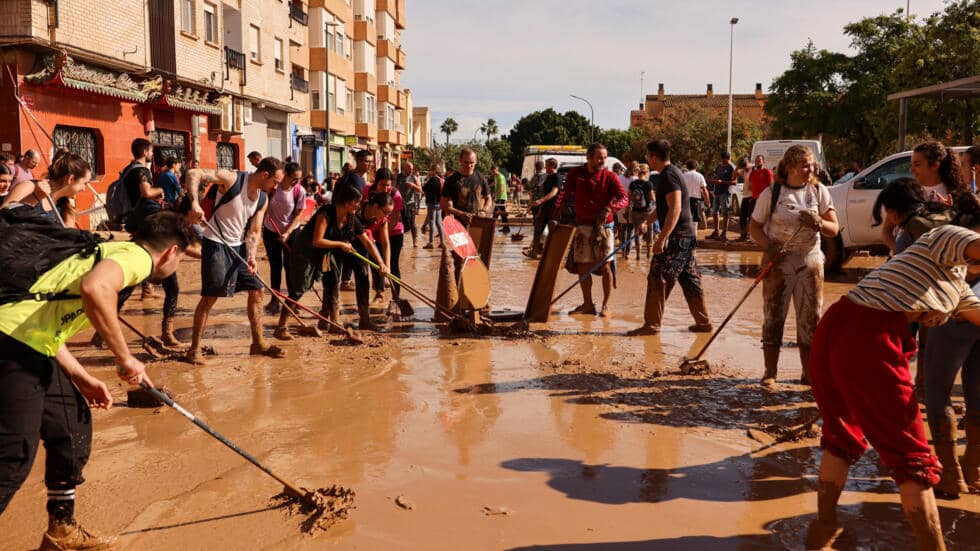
505	58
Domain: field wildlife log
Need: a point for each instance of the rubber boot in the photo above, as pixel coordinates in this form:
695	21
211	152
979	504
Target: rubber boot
167	333
971	459
951	484
928	532
771	357
62	536
805	364
365	323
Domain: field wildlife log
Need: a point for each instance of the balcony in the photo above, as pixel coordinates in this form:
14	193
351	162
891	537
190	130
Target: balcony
366	131
365	31
297	14
400	59
234	60
299	84
387	94
387	48
400	17
365	82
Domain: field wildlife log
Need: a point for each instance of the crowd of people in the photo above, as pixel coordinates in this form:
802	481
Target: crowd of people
855	356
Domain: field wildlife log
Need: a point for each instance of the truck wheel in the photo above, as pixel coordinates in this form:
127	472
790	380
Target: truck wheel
834	254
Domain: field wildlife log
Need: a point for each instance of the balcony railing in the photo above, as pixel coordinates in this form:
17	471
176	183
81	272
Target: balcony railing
234	60
299	84
297	13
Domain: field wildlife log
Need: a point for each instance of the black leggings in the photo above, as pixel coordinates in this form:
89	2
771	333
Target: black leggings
171	290
362	282
396	242
278	257
39	402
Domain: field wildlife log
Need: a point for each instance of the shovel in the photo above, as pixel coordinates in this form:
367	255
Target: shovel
696	364
334	501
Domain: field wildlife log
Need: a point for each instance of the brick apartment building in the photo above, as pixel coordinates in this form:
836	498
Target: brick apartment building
356	62
203	79
656	105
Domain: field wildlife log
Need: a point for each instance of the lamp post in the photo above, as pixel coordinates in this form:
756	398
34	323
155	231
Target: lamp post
326	70
592	111
731	72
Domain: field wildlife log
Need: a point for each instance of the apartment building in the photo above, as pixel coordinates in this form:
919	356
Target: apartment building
421	127
205	80
356	99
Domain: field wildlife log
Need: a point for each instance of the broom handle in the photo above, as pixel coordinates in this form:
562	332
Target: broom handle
598	265
758	279
297	492
408	287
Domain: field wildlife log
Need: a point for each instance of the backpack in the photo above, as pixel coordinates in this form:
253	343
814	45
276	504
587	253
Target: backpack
48	245
638	199
922	223
117	202
210	203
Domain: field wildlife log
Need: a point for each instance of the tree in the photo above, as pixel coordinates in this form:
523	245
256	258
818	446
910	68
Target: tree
546	127
490	128
449	127
619	143
699	133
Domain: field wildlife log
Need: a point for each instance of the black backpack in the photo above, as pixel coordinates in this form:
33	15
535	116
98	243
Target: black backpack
31	246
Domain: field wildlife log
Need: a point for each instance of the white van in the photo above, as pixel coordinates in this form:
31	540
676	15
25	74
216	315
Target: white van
773	151
564	154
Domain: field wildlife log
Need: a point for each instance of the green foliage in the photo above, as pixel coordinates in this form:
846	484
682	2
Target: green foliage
546	127
843	98
490	128
698	133
449	127
496	151
619	143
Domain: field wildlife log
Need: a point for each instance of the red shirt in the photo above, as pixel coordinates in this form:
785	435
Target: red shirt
761	178
593	192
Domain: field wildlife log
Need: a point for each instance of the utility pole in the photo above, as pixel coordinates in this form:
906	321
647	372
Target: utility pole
731	72
642	96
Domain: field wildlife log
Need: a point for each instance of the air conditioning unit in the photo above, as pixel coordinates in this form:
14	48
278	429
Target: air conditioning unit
239	116
247	112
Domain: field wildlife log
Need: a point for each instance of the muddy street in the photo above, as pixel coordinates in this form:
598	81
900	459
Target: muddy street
575	437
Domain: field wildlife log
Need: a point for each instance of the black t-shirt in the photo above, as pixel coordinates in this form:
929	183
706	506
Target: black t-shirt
551	182
138	173
432	190
724	172
410	197
466	192
670	180
639	193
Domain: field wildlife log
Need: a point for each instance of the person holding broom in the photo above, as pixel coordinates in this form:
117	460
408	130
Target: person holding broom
342	226
787	222
45	393
391	245
859	371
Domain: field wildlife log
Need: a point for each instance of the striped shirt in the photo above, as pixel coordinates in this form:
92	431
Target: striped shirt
927	276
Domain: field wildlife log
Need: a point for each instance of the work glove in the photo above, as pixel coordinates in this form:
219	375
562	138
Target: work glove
810	219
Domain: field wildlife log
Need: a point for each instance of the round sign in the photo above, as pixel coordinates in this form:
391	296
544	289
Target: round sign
475	282
459	238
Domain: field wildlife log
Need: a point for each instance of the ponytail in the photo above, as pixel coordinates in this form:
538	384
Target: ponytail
949	165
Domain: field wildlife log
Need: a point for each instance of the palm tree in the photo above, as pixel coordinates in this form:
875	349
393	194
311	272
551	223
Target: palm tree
490	128
449	127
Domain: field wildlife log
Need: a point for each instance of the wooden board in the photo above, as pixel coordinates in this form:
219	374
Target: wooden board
552	260
482	230
474	283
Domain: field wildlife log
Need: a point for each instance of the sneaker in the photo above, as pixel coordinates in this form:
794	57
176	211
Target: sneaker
714	235
428	246
698	328
643	331
505	230
605	312
346	286
282	333
64	536
585	310
273	307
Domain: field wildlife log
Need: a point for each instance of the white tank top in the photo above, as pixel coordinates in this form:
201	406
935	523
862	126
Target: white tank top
231	219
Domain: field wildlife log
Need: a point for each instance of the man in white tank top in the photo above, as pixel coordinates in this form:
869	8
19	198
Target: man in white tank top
231	213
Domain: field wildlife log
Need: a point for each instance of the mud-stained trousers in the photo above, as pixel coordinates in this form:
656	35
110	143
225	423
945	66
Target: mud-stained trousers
38	402
675	265
797	277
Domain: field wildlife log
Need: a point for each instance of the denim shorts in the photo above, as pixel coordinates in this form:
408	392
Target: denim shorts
722	204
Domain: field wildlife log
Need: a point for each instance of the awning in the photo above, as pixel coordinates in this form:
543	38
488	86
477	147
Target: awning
58	68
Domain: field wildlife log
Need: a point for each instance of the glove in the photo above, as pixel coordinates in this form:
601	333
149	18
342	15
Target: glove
809	218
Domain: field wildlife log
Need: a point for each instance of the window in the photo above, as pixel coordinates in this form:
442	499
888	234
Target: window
350	100
315	100
331	95
278	53
210	23
254	46
885	174
167	143
187	16
328	36
227	156
339	89
390	115
80	141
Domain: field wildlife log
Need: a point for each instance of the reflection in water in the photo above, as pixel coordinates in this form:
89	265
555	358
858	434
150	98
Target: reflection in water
467	417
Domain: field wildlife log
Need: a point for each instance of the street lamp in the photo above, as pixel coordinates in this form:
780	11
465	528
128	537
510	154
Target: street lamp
731	71
593	115
326	70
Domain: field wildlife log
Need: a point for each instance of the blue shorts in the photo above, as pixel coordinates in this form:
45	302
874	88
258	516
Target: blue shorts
222	273
722	203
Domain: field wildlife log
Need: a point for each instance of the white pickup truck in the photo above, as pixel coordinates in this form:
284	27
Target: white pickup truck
854	201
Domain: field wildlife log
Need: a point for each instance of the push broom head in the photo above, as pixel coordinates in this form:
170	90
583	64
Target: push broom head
322	507
695	367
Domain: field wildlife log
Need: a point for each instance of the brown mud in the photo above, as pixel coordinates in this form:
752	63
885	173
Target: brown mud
322	508
569	436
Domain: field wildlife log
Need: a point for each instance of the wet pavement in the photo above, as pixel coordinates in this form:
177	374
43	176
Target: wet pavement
574	438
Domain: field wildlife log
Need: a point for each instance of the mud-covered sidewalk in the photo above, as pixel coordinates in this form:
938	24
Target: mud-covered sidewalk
574	438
